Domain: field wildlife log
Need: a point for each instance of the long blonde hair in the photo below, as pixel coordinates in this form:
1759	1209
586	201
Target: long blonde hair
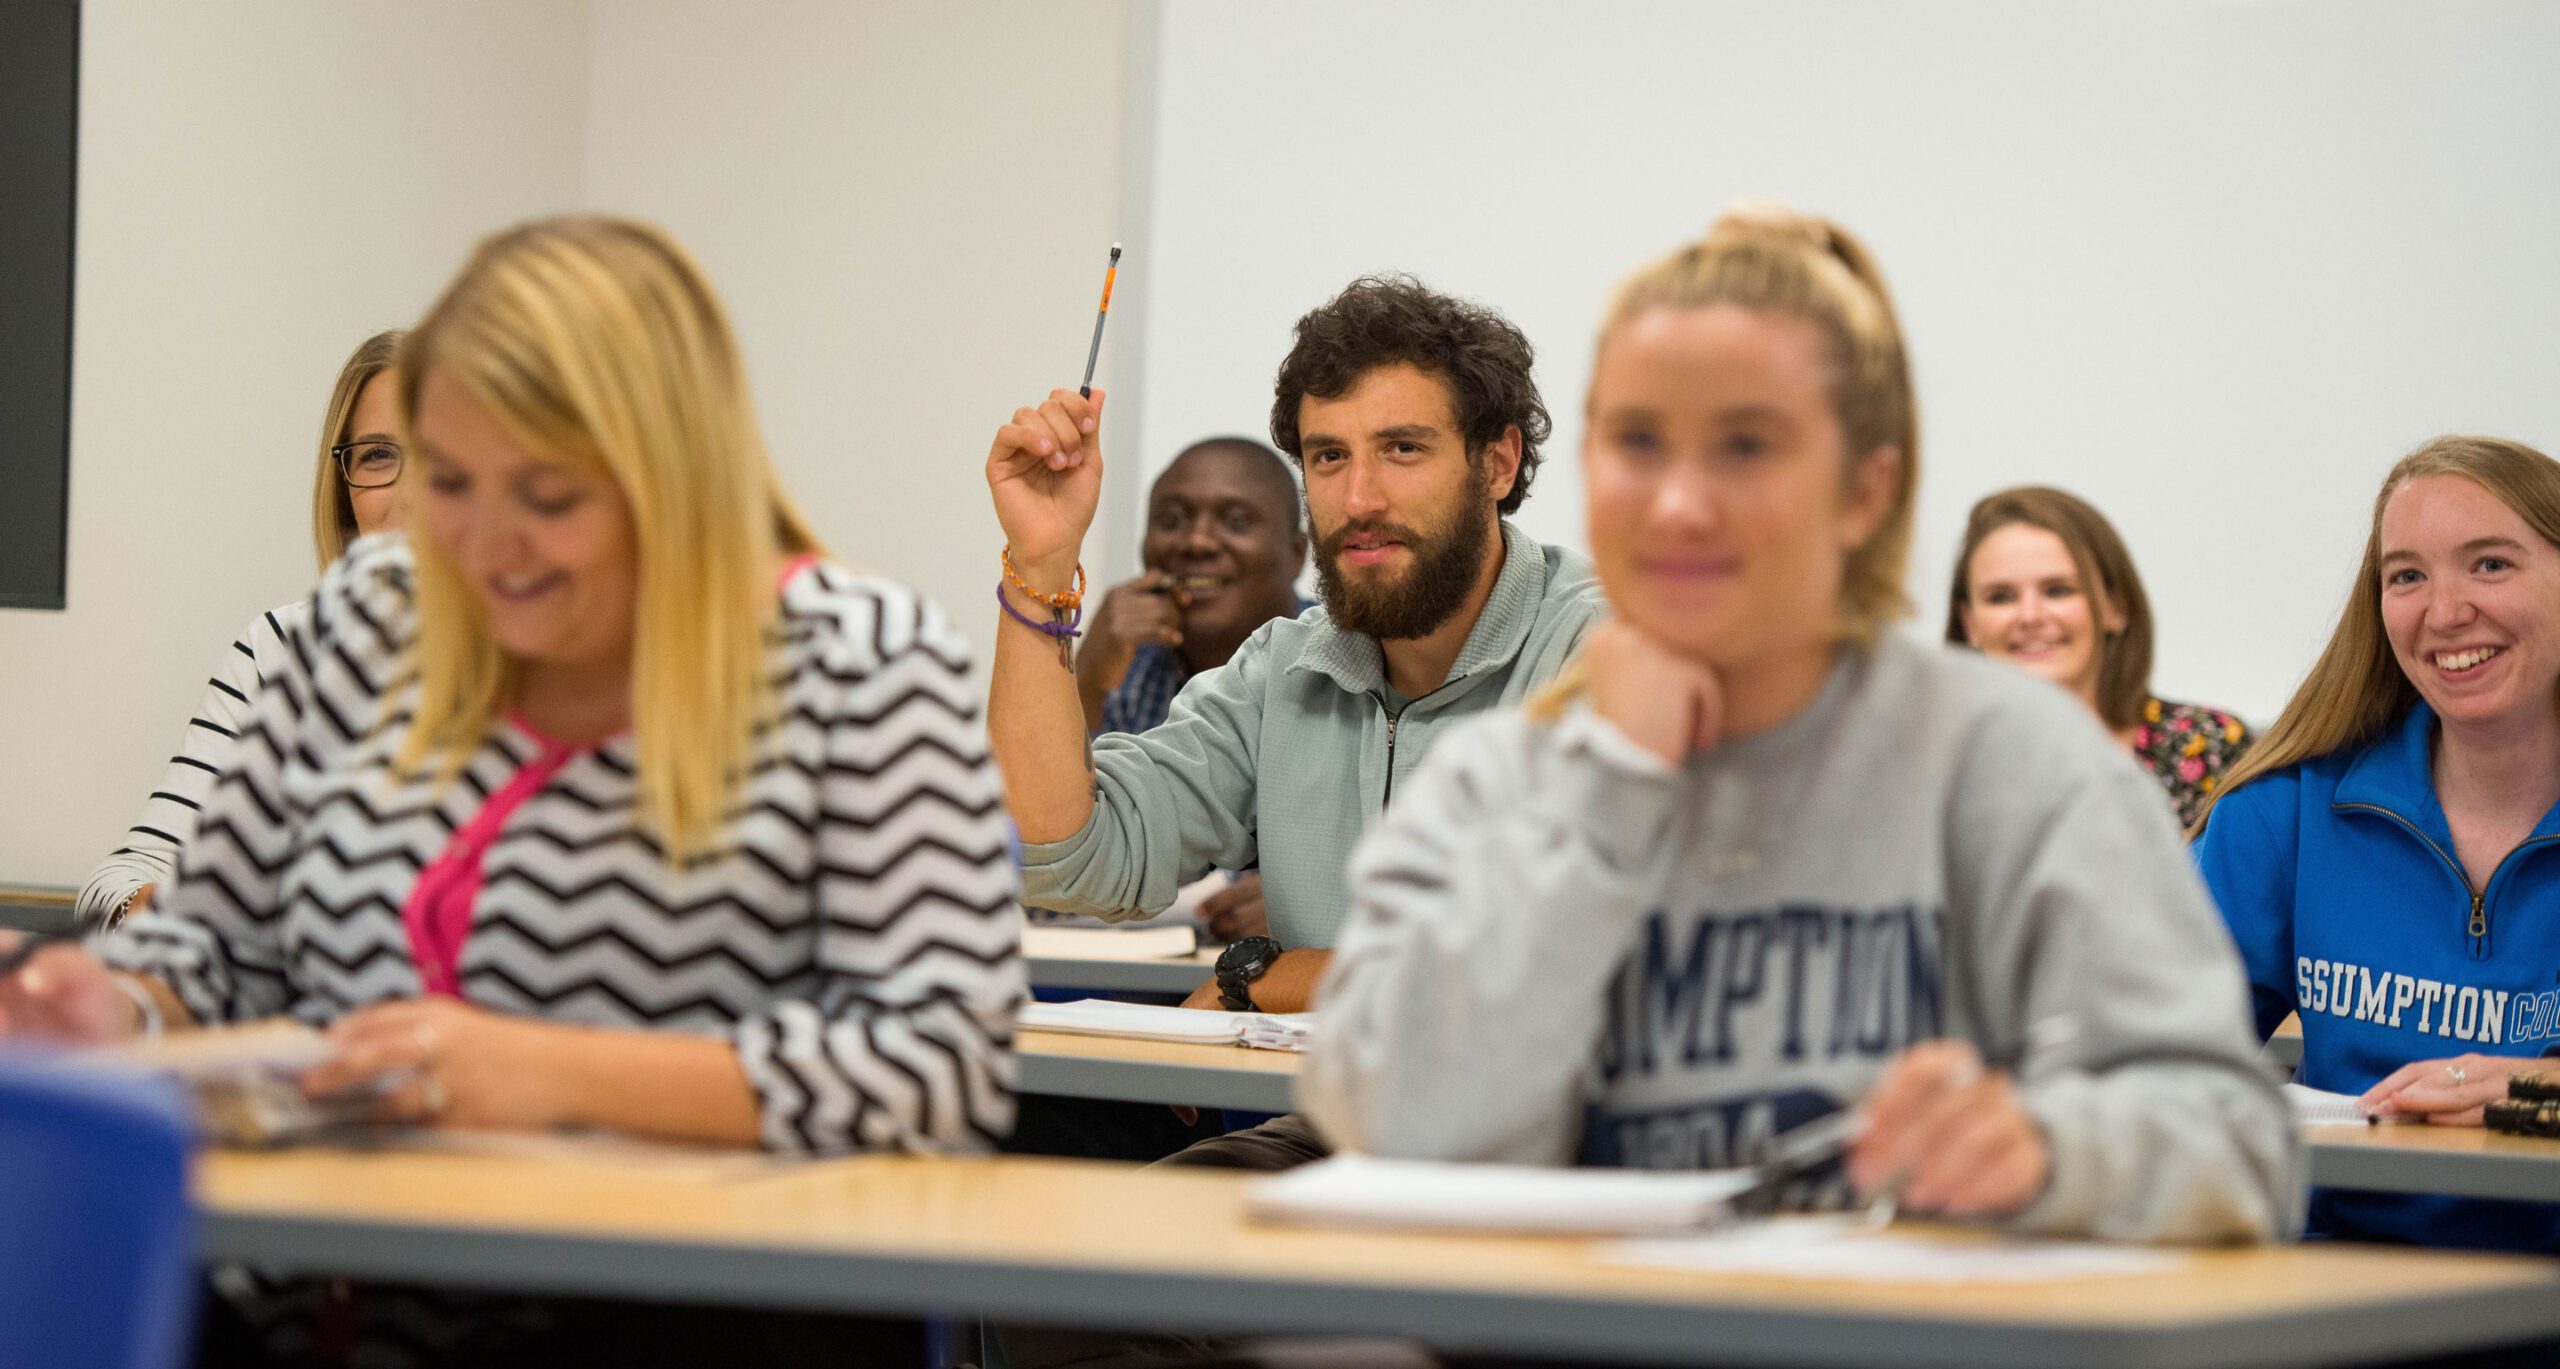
333	513
596	342
1769	257
2357	691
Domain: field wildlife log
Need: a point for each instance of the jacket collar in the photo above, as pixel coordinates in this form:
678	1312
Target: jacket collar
1355	661
2396	773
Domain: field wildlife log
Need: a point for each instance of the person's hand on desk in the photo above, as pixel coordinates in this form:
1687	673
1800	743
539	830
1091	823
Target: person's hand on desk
455	1065
1288	986
62	993
1234	913
2447	1093
1953	1135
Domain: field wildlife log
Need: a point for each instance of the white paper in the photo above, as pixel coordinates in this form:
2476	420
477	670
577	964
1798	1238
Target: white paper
1277	1031
1142	941
2318	1107
1152	1022
278	1046
1847	1248
1365	1191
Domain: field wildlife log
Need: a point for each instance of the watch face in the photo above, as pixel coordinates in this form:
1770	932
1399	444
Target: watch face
1248	957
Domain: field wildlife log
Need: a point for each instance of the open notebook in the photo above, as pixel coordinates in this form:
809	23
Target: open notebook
1149	1022
2320	1108
1363	1190
243	1080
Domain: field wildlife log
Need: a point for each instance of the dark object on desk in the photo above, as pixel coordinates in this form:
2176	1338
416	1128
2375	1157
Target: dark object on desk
2536	1088
1802	1156
2523	1117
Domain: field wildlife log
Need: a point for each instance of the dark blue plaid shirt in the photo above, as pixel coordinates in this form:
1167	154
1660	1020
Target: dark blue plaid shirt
1145	695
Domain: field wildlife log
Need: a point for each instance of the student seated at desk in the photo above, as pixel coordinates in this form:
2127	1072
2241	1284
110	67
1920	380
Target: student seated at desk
605	802
1760	857
1224	544
355	491
2044	583
2383	856
1416	423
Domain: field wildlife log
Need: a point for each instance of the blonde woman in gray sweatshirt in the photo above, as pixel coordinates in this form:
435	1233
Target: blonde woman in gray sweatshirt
1759	858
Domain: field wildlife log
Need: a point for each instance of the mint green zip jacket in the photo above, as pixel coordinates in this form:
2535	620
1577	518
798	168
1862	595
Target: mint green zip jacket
1287	753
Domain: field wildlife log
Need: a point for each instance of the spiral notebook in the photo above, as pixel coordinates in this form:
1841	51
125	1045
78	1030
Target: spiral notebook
2321	1108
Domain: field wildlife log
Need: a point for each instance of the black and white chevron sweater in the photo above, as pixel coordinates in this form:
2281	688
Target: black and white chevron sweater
149	854
857	939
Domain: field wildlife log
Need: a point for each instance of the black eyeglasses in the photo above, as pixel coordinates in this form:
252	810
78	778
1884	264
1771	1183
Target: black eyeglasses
369	464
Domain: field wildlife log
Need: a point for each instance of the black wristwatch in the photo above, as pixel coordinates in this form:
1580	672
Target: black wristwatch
1241	964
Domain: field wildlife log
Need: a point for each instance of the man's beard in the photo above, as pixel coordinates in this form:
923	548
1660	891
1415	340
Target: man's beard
1419	602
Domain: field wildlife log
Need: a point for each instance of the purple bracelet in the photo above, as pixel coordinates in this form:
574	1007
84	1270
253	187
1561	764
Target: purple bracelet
1062	630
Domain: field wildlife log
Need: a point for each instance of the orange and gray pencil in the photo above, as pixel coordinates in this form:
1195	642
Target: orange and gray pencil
1108	276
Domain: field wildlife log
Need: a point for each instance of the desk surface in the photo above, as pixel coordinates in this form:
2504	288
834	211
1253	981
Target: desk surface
2462	1162
1088	1243
2411	1157
2285	1047
1123	974
35	908
1072	1066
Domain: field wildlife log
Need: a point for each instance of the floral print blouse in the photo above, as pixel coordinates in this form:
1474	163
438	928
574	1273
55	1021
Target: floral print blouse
2188	747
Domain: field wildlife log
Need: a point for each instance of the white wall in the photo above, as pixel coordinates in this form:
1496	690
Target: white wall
2213	265
907	209
262	183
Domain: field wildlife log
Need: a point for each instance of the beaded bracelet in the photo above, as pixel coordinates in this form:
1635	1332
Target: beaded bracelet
1063	630
1071	598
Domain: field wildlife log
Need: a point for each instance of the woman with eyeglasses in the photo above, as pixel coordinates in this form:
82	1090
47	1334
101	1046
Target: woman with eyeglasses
355	490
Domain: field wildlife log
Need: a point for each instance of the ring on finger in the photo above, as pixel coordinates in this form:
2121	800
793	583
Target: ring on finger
2455	1073
432	1099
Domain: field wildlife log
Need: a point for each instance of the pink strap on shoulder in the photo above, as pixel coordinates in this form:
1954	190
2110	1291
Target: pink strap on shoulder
438	913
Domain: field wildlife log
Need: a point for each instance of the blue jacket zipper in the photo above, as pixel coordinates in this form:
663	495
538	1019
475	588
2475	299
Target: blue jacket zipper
2478	926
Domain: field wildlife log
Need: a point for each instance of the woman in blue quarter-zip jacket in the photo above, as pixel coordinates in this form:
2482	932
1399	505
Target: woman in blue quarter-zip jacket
2389	856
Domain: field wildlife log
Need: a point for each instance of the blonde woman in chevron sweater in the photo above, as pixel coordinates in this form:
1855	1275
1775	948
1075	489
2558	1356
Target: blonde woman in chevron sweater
608	803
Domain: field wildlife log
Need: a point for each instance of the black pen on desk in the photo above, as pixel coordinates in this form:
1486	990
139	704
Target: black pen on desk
1102	315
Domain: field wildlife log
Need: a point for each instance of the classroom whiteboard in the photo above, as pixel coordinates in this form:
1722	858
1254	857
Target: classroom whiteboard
2212	264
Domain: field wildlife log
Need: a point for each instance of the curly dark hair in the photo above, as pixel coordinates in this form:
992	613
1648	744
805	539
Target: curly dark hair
1381	320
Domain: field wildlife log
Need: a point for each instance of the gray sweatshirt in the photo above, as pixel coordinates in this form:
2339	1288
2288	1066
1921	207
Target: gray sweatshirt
1562	948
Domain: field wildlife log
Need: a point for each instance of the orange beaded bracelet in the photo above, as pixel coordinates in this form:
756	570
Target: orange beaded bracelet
1066	602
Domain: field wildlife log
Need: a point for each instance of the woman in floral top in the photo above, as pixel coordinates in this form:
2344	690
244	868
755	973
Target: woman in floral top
2043	581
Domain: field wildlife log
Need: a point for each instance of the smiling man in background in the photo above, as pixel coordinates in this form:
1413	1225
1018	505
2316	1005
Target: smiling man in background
1223	549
